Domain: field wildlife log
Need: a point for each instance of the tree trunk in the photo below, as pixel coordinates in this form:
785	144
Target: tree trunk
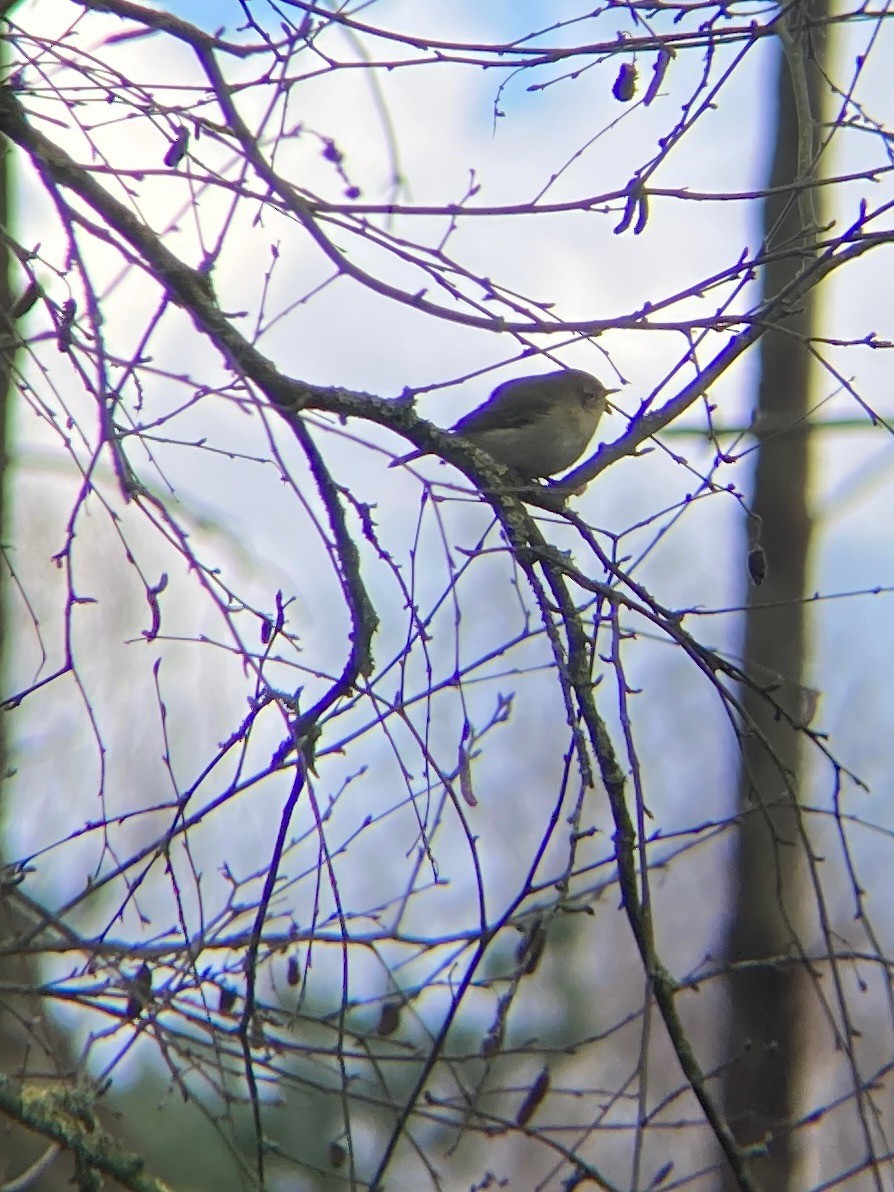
766	1050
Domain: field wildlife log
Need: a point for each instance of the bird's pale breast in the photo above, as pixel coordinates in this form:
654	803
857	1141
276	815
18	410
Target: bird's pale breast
548	445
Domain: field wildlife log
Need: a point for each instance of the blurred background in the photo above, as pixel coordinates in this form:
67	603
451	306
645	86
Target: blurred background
428	950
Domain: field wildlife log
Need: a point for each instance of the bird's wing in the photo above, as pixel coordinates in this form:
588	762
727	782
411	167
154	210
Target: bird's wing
521	405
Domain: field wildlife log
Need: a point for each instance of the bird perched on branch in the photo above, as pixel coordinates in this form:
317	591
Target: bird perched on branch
537	426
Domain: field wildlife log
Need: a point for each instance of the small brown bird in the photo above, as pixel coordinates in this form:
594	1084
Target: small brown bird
537	426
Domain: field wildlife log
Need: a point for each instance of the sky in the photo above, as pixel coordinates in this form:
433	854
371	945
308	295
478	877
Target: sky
237	481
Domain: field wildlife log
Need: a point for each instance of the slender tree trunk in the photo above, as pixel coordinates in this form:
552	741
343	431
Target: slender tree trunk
766	1048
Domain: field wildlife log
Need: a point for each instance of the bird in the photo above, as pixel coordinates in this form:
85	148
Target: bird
537	426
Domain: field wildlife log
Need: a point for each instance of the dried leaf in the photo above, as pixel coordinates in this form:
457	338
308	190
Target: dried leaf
177	151
624	87
389	1019
757	565
531	1103
658	72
